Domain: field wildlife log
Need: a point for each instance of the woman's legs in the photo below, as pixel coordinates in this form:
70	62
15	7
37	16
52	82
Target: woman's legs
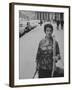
44	73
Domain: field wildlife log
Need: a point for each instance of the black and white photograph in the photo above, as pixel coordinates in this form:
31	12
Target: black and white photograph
41	44
41	52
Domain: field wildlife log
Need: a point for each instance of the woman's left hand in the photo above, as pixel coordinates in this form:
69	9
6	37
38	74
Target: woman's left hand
55	58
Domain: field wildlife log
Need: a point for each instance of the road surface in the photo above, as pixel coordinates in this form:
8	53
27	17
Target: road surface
28	45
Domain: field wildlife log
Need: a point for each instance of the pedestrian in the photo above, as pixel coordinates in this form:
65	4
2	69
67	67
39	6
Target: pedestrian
62	24
41	22
44	57
27	29
58	22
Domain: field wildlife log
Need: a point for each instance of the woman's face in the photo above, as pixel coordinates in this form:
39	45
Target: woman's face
48	32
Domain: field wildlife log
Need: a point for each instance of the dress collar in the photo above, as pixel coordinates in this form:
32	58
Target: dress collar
46	38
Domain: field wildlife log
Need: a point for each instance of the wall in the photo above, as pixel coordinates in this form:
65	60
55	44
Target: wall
4	43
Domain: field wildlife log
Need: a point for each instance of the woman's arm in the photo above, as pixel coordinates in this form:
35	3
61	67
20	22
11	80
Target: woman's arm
57	56
58	51
38	56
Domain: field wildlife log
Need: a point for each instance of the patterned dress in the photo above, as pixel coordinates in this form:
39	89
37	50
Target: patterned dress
44	57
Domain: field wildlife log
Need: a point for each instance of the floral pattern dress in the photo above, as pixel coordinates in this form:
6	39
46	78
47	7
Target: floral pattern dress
44	56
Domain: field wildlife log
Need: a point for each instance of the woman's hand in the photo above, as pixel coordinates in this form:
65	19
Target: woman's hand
55	58
37	67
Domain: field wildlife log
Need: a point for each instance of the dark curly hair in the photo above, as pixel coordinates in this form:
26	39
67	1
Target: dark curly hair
48	25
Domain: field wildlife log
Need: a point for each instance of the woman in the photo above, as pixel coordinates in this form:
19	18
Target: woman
44	58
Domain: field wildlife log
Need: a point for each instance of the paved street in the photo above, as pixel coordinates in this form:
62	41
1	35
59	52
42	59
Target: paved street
28	49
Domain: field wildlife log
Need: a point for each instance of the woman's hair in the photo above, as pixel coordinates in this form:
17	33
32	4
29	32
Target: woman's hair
48	25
